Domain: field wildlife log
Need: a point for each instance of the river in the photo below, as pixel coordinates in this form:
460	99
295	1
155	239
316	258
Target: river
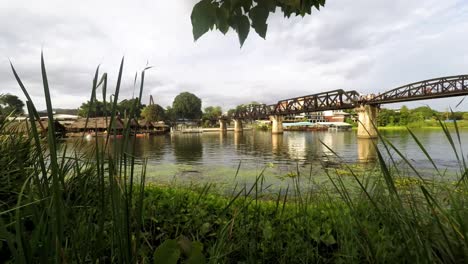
214	157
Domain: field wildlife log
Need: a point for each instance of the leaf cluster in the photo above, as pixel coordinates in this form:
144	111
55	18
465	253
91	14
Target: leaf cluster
241	15
153	113
187	106
10	104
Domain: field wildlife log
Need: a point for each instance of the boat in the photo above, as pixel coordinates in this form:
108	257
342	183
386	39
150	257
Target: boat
304	126
339	126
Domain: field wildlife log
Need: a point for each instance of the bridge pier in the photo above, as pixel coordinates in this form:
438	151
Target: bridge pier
238	125
222	126
367	115
276	124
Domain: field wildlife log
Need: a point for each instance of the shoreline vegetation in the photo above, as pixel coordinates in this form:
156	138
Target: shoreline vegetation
58	207
432	124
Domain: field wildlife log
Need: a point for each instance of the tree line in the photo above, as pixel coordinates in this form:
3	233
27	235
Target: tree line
405	116
185	107
188	107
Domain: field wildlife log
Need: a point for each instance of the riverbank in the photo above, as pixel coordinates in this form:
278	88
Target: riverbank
433	124
108	215
312	227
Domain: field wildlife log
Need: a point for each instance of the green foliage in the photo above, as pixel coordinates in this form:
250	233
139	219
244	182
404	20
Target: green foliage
15	151
167	253
10	104
170	114
404	115
465	116
187	105
418	117
171	251
231	112
211	114
126	106
69	208
153	113
95	109
240	15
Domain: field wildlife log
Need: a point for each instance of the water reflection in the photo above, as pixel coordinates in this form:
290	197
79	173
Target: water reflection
366	150
257	148
276	143
238	136
187	147
297	146
153	147
222	137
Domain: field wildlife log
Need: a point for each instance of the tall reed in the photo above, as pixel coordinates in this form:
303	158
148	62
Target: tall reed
70	207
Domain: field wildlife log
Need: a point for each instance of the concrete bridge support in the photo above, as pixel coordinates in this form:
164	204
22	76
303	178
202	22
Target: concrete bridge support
367	115
276	124
238	126
222	126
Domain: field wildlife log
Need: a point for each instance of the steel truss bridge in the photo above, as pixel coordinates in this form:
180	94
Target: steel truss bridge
339	99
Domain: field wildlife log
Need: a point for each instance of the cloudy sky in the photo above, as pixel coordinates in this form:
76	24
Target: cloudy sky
363	45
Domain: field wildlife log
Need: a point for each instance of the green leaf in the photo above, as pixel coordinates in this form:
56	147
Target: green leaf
242	26
185	245
259	15
203	18
296	4
222	17
196	255
167	253
246	5
267	230
268	4
328	239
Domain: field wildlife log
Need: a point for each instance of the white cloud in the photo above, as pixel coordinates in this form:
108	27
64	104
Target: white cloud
363	45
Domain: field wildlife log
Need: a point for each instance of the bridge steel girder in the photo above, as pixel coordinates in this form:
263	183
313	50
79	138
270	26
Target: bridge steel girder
331	100
427	89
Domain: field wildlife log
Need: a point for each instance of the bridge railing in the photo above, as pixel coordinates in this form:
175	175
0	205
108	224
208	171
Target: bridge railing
331	100
340	99
427	89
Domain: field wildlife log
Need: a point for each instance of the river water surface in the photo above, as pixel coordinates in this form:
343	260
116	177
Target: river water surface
215	157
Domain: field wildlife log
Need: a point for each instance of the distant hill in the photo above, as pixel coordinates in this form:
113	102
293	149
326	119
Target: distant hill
61	111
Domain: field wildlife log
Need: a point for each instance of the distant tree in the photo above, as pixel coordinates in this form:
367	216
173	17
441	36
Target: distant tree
465	116
125	107
456	116
241	15
404	115
187	105
424	111
212	112
97	110
153	113
416	116
10	104
231	112
211	115
170	115
386	117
